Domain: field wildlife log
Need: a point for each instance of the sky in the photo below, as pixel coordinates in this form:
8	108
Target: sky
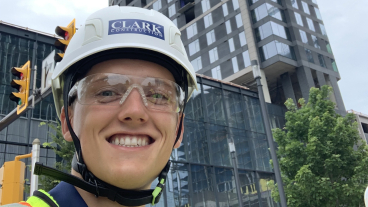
344	21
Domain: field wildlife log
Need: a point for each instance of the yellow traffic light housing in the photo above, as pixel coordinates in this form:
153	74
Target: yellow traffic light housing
12	180
66	33
22	85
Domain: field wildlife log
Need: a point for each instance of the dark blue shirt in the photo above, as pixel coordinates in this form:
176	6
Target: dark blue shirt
67	196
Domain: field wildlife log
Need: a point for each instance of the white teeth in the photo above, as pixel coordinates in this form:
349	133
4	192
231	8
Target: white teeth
134	141
127	141
139	142
121	141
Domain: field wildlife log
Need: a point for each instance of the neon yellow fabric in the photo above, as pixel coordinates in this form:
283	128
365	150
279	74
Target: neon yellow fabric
37	202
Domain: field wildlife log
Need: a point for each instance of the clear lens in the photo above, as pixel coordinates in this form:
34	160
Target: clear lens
114	89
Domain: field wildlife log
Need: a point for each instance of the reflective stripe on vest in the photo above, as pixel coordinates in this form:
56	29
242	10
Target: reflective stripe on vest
40	198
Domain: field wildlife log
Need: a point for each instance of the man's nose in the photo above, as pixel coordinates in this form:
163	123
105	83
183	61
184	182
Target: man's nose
133	109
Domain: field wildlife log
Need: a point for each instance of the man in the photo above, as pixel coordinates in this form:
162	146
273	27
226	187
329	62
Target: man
120	93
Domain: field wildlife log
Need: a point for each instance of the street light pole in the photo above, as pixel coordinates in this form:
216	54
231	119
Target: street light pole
237	182
257	76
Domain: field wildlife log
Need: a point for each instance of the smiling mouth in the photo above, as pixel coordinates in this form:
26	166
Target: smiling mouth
130	140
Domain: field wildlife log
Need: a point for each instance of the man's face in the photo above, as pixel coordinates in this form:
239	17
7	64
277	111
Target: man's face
99	126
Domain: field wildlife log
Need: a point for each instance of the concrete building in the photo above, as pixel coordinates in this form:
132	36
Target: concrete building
286	37
362	120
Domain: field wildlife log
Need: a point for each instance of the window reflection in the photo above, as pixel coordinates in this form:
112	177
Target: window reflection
203	188
310	24
294	3
275	47
265	10
248	188
194	47
180	179
266	198
321	60
323	29
318	14
315	42
244	148
270	28
219	145
196	139
208	20
243	40
225	10
298	19
213	98
216	73
192	30
305	7
210	37
226	188
303	36
309	55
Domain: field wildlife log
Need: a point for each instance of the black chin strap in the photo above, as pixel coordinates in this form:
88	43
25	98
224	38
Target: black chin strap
100	188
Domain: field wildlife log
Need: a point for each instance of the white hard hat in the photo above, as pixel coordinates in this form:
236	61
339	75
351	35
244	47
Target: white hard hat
123	27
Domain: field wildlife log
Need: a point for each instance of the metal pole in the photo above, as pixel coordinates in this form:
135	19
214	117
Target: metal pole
271	143
237	181
35	158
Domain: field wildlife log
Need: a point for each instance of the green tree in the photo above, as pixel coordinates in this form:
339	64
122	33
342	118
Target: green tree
63	149
319	165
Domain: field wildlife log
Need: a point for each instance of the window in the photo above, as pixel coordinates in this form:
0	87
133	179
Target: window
175	21
236	4
270	28
305	7
234	60
309	55
294	3
321	60
246	58
208	20
252	2
225	10
298	19
334	66
172	10
328	47
197	63
279	30
192	30
157	5
228	27
315	42
210	37
242	39
323	30
310	24
216	73
314	1
303	36
231	45
194	47
267	10
318	14
239	21
205	5
275	47
213	55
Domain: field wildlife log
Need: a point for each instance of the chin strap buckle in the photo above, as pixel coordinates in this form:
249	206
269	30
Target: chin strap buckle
158	191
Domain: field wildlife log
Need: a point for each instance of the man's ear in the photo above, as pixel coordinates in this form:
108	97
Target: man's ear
64	126
177	145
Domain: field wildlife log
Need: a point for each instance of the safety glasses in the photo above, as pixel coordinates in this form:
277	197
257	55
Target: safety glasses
113	89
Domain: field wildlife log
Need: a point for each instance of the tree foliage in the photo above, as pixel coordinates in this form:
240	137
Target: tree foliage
63	149
318	162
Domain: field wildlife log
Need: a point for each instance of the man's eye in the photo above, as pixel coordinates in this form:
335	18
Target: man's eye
157	95
107	93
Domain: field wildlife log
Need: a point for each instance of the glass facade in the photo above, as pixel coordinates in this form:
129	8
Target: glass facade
267	10
202	172
270	28
276	48
309	55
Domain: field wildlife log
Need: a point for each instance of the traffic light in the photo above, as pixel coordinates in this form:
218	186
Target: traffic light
22	85
12	181
66	33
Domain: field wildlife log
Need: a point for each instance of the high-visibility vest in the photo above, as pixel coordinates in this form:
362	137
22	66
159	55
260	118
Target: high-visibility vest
40	198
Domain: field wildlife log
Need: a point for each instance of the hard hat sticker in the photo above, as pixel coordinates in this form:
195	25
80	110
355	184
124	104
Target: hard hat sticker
137	26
